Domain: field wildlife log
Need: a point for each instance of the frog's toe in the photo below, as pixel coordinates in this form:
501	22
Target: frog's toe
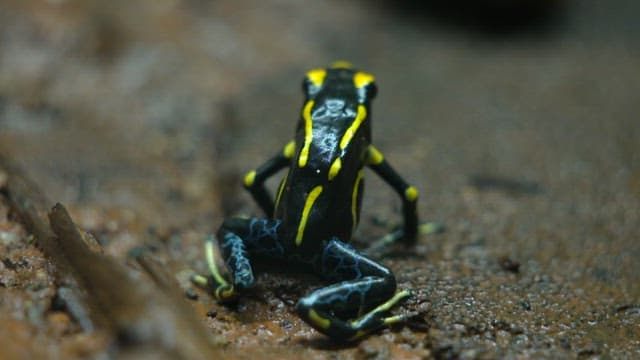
430	228
225	293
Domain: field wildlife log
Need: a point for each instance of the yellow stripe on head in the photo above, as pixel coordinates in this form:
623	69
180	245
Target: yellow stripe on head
361	79
308	134
341	64
311	198
316	76
351	131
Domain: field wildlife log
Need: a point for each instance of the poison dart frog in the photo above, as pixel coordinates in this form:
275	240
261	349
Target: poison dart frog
316	210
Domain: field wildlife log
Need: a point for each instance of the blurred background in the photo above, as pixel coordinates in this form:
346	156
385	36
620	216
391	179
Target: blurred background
516	120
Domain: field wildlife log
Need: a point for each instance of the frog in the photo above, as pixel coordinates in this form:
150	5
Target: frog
316	210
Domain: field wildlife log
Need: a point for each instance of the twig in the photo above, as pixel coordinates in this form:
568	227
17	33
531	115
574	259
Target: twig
135	313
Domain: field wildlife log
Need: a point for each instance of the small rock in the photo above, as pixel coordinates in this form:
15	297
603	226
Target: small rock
60	322
525	305
191	294
374	348
8	238
286	324
510	265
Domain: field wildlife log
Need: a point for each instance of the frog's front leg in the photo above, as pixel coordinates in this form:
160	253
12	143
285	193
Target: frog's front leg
363	288
254	180
239	239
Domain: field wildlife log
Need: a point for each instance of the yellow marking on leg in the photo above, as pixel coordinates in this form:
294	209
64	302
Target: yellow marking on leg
384	307
341	64
335	168
289	149
354	201
323	323
308	134
316	76
387	305
351	131
359	334
250	178
210	251
311	198
224	292
281	189
394	319
375	157
361	79
411	194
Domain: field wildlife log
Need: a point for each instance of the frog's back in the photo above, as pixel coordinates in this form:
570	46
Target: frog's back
321	195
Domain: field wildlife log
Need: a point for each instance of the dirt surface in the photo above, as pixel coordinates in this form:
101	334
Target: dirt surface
523	139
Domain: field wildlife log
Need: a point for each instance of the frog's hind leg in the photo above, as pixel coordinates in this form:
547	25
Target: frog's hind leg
239	238
365	288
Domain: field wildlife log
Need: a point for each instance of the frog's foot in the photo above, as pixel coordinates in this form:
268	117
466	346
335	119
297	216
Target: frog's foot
430	228
223	292
375	318
355	329
222	289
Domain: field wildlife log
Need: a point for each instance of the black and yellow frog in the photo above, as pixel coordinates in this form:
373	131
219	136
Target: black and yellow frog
317	208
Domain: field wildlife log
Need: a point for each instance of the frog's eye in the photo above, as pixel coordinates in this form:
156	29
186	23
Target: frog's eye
371	90
313	81
365	85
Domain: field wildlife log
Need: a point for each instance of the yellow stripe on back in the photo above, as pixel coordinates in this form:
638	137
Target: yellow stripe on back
311	198
335	168
308	134
354	200
281	189
351	131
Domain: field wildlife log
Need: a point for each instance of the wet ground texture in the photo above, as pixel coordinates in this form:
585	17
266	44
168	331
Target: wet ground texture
519	127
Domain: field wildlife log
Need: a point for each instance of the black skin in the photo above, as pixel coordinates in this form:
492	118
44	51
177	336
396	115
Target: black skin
359	287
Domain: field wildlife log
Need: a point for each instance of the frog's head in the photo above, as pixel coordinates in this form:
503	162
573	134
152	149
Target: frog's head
339	80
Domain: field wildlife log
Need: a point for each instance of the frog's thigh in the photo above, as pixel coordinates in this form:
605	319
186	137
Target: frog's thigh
360	282
364	292
341	261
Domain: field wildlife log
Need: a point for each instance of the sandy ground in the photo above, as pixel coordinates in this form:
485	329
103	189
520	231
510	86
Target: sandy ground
522	138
